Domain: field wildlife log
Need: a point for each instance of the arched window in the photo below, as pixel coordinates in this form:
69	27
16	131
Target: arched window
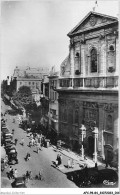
93	62
109	123
76	117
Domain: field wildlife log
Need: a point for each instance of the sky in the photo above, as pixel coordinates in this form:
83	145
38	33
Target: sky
34	32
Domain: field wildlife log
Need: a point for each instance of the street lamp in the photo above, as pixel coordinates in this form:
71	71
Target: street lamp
83	129
95	145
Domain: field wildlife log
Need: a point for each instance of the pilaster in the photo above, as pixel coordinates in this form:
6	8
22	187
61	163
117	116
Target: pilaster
100	130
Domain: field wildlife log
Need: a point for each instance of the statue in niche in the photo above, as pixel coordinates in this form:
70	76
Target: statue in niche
108	108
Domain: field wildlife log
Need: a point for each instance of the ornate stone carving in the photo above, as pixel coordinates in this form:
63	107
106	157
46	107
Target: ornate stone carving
94	34
76	105
100	105
62	102
104	19
93	20
108	108
76	38
69	102
90	105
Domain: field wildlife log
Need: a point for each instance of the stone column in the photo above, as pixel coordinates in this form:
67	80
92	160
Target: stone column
72	60
115	127
100	133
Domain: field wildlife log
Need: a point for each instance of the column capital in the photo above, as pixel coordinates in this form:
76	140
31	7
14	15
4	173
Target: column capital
100	105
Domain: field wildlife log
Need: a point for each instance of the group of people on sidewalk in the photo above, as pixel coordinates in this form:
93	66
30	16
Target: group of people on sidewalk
70	162
36	140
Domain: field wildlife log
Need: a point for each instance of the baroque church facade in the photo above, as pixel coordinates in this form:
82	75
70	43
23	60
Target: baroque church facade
88	86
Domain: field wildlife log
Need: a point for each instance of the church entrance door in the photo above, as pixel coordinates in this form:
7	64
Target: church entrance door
90	146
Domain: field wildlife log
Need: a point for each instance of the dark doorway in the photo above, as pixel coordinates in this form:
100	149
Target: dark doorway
108	153
75	146
90	146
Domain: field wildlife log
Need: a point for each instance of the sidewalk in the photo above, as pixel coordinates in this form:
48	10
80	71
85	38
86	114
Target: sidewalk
78	161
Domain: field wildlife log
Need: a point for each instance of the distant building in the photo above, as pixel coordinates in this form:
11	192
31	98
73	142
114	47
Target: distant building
31	77
53	104
44	99
88	86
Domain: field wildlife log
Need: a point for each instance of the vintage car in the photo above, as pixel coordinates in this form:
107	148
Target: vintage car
8	145
4	130
12	157
7	142
9	149
19	182
2	164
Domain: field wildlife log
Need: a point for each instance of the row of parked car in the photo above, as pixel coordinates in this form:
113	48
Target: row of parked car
7	143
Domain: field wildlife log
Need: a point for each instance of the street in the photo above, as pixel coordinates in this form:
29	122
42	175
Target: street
52	178
43	161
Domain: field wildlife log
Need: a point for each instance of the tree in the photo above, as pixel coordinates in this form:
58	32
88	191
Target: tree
23	97
3	87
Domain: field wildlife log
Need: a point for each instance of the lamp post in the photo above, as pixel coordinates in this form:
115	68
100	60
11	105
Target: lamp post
95	145
83	129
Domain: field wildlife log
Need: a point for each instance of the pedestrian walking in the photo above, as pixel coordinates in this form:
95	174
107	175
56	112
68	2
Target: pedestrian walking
28	130
16	140
6	161
13	120
36	140
40	175
33	142
27	175
10	168
15	173
57	160
13	130
30	174
68	163
72	164
60	159
31	136
38	147
30	143
22	141
11	174
28	156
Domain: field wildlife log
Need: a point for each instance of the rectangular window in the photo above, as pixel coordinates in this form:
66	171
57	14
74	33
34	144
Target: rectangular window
29	83
55	95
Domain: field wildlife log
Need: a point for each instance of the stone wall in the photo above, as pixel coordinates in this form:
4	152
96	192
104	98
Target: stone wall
93	109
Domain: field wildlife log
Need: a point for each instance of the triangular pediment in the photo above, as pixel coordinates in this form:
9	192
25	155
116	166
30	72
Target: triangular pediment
92	20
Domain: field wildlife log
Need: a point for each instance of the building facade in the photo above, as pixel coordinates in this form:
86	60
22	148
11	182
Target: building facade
88	86
53	104
44	99
31	77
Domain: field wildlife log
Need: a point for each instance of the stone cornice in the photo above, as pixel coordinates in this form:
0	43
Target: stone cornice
100	92
103	25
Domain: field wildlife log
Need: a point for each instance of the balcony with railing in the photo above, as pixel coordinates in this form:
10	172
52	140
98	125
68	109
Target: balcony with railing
67	82
90	82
